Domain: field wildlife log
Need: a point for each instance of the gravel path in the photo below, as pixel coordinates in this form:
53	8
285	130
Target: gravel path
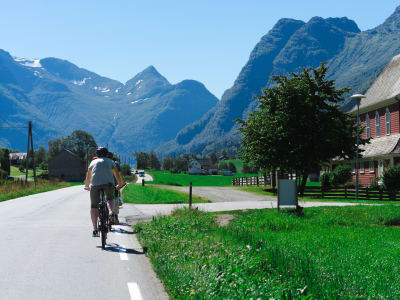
220	194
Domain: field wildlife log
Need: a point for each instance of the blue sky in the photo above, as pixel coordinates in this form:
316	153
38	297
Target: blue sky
208	40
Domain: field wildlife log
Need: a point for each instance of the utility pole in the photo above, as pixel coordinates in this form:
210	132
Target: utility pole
29	153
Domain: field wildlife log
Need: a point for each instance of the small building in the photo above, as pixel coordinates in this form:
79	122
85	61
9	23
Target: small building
379	114
67	166
194	167
16	158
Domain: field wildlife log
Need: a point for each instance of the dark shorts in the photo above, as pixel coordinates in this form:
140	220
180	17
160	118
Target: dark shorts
95	194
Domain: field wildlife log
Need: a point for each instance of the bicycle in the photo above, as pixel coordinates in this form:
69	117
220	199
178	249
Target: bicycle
104	224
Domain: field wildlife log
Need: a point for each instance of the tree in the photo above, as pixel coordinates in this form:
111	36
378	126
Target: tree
78	142
213	158
154	162
167	163
223	166
298	125
5	161
40	155
142	160
391	181
232	167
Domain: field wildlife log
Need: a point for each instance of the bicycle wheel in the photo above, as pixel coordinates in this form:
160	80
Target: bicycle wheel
103	226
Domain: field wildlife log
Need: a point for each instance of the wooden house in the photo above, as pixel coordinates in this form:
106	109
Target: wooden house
379	114
67	166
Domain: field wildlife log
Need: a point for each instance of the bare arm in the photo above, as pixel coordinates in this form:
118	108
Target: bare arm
88	177
119	180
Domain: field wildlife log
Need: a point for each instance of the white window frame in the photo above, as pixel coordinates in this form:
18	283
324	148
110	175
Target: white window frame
387	119
371	166
368	126
361	167
377	125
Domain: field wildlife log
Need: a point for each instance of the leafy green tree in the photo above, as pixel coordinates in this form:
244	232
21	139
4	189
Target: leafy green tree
125	169
232	167
154	161
5	161
340	175
167	163
391	181
78	142
298	125
223	166
213	158
40	155
142	160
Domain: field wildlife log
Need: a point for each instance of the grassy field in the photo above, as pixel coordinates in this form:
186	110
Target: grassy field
167	178
152	195
324	253
14	171
260	191
18	188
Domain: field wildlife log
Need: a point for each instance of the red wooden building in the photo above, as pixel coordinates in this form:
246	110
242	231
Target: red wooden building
379	114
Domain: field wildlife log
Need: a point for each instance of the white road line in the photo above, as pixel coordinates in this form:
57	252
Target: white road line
122	253
134	291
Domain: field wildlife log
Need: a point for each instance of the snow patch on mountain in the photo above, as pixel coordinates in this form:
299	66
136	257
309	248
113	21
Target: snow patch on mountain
28	62
139	100
81	82
139	82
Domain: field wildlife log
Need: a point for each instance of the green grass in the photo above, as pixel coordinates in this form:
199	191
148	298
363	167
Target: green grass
260	191
152	195
324	253
14	171
18	188
167	178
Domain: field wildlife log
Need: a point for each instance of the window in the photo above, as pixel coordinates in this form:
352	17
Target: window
361	167
371	167
377	125
368	128
387	121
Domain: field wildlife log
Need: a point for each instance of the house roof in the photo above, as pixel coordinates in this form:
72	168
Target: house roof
381	146
385	90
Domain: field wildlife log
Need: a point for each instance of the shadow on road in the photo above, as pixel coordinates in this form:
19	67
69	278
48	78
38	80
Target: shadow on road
113	247
123	231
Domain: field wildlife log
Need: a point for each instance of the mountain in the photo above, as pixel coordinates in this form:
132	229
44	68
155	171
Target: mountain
60	97
355	59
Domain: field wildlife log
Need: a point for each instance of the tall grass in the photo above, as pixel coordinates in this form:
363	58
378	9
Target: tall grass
325	253
20	188
151	195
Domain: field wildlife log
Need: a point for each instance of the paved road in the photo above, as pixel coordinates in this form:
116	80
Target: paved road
48	253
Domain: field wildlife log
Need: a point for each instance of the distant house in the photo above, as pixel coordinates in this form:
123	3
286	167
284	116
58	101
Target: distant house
202	166
223	157
67	166
16	158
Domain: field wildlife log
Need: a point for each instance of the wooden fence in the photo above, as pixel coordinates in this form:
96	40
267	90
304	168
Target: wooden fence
347	193
254	180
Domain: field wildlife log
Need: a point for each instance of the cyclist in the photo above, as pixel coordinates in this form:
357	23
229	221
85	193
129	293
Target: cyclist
117	194
100	177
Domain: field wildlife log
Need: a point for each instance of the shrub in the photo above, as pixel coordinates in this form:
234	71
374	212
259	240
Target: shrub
44	166
232	167
340	175
325	180
3	174
391	180
21	168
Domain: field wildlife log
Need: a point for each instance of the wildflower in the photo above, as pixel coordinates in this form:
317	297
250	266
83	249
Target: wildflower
192	292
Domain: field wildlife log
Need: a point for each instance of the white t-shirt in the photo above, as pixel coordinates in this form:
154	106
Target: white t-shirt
101	171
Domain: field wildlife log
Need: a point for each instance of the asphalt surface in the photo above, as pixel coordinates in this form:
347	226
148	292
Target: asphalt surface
48	252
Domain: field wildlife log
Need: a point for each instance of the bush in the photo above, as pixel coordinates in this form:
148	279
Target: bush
44	166
21	168
325	180
391	180
340	175
125	169
3	174
232	167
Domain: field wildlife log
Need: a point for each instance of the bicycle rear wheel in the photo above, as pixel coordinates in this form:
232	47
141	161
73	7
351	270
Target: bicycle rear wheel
103	238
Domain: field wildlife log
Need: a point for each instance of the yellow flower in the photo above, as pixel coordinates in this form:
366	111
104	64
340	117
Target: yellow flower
192	292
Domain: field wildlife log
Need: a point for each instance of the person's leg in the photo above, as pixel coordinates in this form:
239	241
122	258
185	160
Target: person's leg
94	206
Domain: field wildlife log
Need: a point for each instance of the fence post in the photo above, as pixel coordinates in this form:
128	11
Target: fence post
366	190
345	192
190	195
143	182
258	181
380	194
